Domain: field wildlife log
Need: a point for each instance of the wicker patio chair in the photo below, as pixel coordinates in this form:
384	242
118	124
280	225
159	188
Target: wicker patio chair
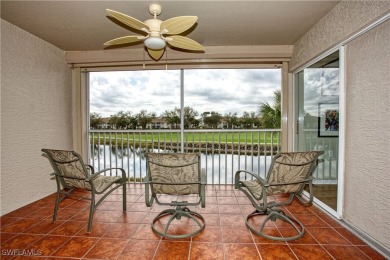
288	174
71	173
175	174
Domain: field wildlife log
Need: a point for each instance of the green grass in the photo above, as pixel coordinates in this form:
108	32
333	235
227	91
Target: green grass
243	137
137	179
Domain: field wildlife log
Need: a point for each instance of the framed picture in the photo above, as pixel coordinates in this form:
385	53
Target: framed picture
328	120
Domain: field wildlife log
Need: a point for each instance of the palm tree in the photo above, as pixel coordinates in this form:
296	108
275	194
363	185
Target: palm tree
270	116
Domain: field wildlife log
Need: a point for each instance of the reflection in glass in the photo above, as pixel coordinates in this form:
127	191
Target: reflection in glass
318	116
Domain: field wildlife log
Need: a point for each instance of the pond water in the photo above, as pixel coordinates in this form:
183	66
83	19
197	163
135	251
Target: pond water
220	168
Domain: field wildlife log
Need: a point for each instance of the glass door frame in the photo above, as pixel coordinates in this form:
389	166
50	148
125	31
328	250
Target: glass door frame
342	99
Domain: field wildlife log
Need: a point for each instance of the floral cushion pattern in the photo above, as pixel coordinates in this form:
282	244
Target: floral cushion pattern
70	165
101	183
254	187
291	167
288	167
176	168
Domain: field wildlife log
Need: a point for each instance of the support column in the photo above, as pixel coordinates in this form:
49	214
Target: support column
79	104
286	97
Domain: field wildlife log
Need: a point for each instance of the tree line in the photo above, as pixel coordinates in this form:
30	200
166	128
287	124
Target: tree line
267	116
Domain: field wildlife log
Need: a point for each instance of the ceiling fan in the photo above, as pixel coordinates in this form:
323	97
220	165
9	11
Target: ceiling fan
158	33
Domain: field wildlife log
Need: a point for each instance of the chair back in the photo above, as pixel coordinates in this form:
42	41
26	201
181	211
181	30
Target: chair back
69	168
291	167
174	173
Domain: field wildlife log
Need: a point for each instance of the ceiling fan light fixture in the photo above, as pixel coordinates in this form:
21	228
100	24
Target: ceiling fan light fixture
160	34
154	43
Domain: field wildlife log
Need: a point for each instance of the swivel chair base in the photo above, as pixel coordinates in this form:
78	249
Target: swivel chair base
177	213
273	214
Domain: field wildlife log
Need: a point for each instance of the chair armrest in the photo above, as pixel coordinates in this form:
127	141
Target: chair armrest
114	168
262	182
93	176
251	194
290	183
175	183
91	168
65	177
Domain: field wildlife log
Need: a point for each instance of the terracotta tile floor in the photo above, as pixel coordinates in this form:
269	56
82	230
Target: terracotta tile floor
29	230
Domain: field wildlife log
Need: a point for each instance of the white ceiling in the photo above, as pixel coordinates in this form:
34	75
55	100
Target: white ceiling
84	25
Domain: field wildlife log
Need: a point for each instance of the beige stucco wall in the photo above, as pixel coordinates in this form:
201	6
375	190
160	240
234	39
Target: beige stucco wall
36	104
367	165
343	21
367	162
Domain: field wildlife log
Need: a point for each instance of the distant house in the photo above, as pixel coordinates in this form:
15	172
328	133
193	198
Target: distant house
158	123
104	124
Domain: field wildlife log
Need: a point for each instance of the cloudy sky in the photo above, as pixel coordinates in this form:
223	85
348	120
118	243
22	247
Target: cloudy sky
321	87
205	90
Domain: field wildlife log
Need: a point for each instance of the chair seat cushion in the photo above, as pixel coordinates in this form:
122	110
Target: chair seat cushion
254	187
101	182
182	169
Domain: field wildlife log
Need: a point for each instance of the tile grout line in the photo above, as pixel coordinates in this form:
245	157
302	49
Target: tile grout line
219	221
252	235
223	193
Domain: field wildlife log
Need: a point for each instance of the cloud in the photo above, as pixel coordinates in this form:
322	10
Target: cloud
321	86
219	90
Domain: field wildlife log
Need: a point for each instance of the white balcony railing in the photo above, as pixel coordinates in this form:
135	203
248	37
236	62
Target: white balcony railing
223	152
327	170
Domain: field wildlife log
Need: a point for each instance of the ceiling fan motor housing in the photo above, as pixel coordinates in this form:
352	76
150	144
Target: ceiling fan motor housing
154	26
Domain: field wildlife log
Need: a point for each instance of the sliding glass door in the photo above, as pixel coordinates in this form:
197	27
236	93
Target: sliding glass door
317	122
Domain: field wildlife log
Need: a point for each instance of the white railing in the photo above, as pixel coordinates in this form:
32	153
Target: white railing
223	151
326	171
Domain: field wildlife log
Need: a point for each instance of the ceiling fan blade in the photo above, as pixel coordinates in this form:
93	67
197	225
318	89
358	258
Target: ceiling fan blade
125	39
182	42
156	54
130	21
178	24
